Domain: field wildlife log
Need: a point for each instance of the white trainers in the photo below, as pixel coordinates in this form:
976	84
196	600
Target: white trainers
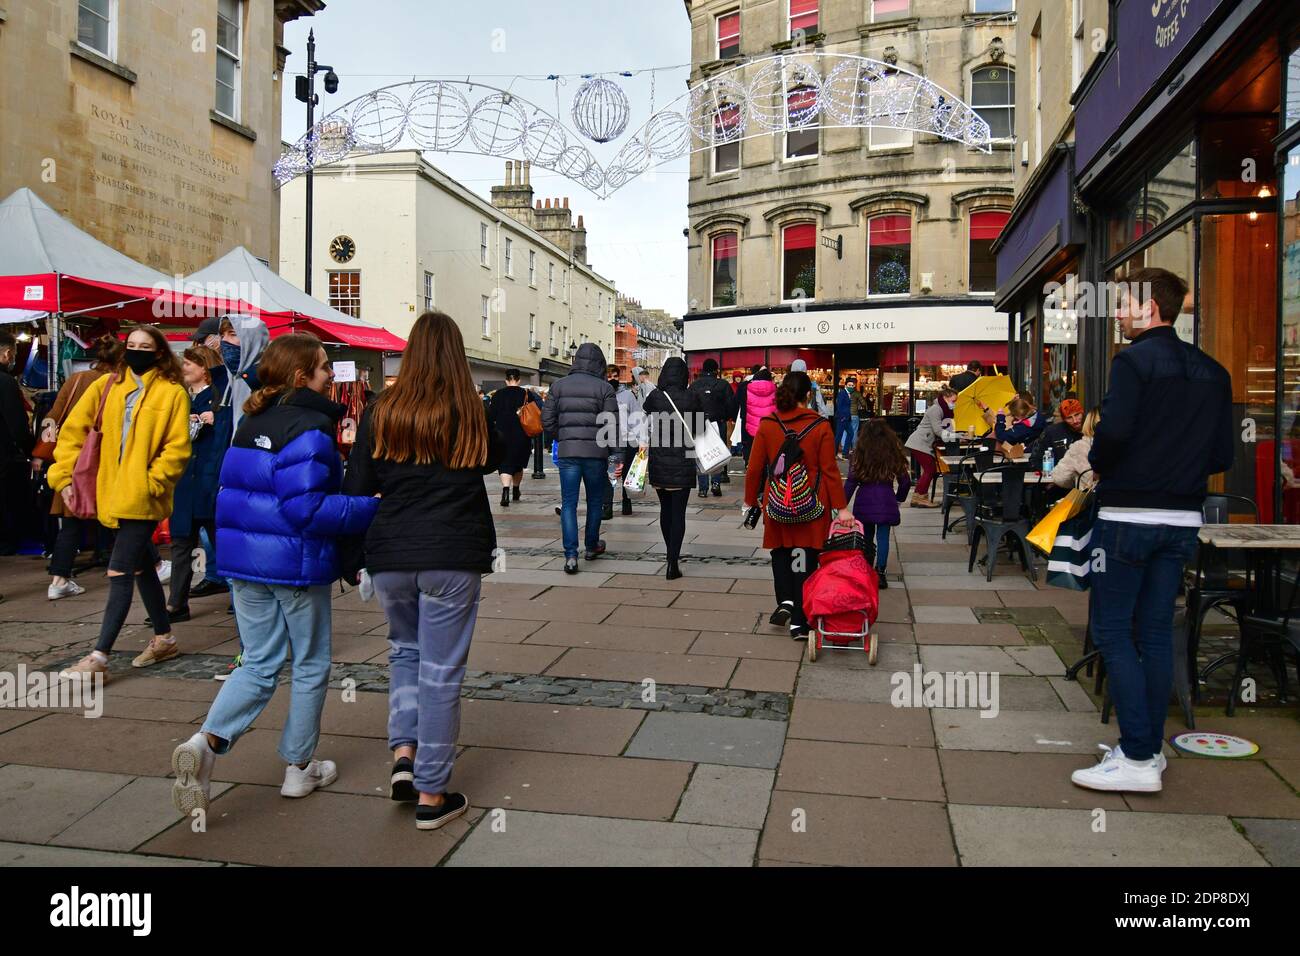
164	572
192	763
1117	772
299	783
68	588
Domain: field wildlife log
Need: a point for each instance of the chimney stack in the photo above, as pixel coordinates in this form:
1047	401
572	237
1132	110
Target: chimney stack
528	168
566	202
510	172
548	204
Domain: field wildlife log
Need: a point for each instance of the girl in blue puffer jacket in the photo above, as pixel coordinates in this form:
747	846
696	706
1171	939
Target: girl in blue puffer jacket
279	515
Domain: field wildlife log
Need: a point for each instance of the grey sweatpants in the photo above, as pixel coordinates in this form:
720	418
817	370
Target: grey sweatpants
431	618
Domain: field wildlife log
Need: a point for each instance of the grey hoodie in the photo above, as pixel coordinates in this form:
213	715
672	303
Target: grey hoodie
254	337
582	409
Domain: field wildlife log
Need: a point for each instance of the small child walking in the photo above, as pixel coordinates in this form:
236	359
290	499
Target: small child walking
879	478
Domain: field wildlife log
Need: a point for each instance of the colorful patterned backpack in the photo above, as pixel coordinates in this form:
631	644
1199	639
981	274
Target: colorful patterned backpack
791	494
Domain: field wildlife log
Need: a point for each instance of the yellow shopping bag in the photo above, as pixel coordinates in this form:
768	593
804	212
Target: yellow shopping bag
1043	537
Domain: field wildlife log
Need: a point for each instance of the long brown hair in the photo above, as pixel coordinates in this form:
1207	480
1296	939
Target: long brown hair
278	370
108	353
432	411
878	455
169	366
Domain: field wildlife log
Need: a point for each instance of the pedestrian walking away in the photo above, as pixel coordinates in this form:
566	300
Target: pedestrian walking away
582	411
879	479
425	551
1152	478
139	417
16	443
631	438
503	409
795	526
280	514
760	402
672	470
718	402
935	427
73	530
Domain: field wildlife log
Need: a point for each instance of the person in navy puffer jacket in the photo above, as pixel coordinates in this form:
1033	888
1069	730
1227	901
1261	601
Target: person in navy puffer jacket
279	515
877	465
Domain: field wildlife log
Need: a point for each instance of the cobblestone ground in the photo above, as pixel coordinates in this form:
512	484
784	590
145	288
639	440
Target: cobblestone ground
616	718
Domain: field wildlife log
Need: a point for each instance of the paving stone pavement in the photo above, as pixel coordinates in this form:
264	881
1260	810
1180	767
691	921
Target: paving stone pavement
616	718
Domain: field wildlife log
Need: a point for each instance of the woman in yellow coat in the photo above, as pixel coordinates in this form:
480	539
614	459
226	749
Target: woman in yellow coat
143	453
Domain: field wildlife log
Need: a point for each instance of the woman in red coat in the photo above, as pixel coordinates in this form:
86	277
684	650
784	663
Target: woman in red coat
795	547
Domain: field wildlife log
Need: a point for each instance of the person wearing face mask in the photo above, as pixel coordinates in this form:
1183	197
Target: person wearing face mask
145	423
16	443
241	342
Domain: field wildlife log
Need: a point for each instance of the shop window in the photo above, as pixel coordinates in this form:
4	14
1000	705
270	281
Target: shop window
726	133
799	261
1170	190
1122	223
993	97
739	362
725	249
801	109
1289	361
1293	84
97	26
889	9
345	292
1235	160
889	255
803	16
1175	252
984	229
729	35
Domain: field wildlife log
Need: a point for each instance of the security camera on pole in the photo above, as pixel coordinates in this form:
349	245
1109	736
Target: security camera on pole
305	91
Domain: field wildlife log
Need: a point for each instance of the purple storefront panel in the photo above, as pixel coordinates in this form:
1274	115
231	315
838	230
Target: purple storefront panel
1050	209
1150	34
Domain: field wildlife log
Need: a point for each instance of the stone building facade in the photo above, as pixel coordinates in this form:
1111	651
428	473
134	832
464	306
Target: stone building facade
152	125
643	337
888	230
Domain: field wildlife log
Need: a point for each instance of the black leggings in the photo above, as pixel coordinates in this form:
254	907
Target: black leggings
67	545
672	518
790	569
134	555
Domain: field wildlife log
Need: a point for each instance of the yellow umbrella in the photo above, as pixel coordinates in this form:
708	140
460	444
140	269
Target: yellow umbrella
993	390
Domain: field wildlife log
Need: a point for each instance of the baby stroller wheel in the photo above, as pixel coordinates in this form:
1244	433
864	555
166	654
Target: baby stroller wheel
814	644
873	650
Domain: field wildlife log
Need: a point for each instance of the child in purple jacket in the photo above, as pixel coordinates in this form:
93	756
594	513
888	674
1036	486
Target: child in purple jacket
877	465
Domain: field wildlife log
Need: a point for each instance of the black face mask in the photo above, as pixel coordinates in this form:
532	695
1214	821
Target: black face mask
140	361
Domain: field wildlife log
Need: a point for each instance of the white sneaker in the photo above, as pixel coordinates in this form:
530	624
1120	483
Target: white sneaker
299	783
164	572
1117	772
192	763
68	588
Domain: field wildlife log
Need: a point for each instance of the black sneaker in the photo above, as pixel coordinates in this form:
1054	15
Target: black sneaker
570	565
514	493
176	616
884	581
402	782
431	818
717	491
781	616
594	553
627	506
798	632
207	587
558	509
704	494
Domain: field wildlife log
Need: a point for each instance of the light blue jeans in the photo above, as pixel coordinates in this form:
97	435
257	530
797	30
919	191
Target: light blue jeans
276	621
431	617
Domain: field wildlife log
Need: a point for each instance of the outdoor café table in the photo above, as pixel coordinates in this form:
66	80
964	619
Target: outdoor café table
955	460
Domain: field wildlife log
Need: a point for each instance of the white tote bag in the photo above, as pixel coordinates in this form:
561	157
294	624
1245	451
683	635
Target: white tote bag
737	432
711	452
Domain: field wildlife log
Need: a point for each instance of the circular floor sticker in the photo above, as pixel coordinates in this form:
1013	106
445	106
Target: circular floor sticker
1214	745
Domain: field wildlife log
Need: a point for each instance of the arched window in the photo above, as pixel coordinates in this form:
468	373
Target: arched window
985	227
889	254
725	248
993	97
799	261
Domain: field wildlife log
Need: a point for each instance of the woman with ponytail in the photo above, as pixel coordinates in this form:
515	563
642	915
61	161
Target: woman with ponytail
279	517
143	415
794	544
424	446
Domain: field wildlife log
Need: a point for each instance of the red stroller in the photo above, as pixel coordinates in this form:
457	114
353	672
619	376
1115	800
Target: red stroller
842	597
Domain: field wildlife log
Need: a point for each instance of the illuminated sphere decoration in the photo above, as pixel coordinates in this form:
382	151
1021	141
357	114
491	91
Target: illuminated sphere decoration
600	110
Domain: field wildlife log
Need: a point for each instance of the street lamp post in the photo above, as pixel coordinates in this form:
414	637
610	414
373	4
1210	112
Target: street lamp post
305	92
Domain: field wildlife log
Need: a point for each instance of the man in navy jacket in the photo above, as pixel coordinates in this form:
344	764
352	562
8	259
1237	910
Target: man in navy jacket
1166	426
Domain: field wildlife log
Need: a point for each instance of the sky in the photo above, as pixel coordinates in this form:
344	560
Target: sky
634	237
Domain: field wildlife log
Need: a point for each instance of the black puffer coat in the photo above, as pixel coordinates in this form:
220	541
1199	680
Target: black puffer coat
669	465
431	518
580	405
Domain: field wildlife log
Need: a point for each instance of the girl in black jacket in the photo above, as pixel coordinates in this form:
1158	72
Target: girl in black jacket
424	446
672	470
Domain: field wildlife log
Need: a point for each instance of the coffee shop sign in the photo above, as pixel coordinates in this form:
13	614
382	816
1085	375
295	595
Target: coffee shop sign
1168	15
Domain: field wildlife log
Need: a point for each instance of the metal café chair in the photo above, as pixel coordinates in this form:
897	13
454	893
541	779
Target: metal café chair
959	490
1270	636
999	514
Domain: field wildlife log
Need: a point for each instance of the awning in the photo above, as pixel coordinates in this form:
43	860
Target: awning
362	337
1044	224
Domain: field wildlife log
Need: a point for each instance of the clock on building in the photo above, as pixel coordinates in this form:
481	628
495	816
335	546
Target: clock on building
342	249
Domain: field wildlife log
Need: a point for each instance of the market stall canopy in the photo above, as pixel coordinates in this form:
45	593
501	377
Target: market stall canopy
285	308
993	390
16	316
49	265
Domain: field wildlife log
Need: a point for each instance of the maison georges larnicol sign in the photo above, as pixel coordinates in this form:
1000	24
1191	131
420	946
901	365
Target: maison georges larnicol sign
939	323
